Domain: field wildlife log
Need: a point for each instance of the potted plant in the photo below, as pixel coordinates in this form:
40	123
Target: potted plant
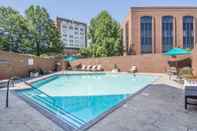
115	69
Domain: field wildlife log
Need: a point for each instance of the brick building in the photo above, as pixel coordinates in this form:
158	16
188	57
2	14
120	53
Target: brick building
158	29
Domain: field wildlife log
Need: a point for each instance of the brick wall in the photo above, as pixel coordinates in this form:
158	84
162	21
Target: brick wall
194	61
133	20
153	63
18	64
145	63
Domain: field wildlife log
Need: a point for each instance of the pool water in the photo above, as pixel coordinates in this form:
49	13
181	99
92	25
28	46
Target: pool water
81	98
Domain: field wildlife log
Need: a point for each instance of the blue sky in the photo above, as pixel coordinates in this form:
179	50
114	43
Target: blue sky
84	10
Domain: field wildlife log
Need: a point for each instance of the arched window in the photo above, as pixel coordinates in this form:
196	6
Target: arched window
188	32
146	34
167	33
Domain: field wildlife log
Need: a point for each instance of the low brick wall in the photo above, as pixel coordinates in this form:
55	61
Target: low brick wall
194	61
145	63
154	63
17	64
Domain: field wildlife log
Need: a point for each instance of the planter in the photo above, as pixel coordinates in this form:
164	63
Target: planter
34	74
115	70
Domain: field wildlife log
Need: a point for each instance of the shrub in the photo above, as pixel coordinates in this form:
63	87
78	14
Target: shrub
186	72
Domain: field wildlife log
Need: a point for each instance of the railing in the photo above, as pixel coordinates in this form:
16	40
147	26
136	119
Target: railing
10	81
60	109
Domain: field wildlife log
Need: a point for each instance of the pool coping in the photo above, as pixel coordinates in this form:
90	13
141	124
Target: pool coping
62	123
114	108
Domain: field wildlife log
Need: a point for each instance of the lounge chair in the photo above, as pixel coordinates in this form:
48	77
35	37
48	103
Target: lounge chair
133	69
99	68
172	71
89	68
94	68
190	92
83	68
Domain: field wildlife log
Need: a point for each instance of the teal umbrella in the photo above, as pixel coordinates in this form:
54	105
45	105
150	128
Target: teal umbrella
178	51
70	58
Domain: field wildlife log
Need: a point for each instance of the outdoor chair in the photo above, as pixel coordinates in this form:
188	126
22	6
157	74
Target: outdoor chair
88	68
94	68
99	68
172	71
133	69
190	92
83	68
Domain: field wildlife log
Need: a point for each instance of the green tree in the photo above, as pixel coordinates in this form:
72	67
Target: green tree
44	33
35	33
105	36
13	30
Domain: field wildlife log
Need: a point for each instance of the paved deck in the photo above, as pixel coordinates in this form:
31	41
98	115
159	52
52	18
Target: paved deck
21	117
158	108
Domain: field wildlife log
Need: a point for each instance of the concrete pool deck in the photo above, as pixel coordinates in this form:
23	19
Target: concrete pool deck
160	107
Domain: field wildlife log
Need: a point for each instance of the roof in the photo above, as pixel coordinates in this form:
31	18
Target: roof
164	7
68	20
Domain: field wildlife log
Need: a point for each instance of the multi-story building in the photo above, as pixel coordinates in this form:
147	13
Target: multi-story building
159	29
73	34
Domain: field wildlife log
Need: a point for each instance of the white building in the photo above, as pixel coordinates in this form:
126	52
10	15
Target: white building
73	33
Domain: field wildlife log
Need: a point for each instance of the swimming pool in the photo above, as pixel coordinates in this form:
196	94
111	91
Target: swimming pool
79	99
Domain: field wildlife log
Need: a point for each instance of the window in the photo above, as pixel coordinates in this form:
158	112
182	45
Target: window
81	37
70	27
167	33
188	32
65	27
146	34
81	29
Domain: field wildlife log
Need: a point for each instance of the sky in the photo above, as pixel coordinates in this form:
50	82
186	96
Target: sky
84	10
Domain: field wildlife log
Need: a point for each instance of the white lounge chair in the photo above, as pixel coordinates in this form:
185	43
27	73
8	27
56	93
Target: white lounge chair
94	68
89	68
99	68
133	69
83	68
172	71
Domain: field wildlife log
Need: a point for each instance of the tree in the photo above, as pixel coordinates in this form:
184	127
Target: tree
105	36
56	44
14	30
45	34
34	33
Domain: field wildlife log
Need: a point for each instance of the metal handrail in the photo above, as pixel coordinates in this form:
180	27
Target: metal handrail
8	90
78	120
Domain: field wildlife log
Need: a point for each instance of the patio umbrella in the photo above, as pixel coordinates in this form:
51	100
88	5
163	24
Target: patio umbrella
71	58
178	51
